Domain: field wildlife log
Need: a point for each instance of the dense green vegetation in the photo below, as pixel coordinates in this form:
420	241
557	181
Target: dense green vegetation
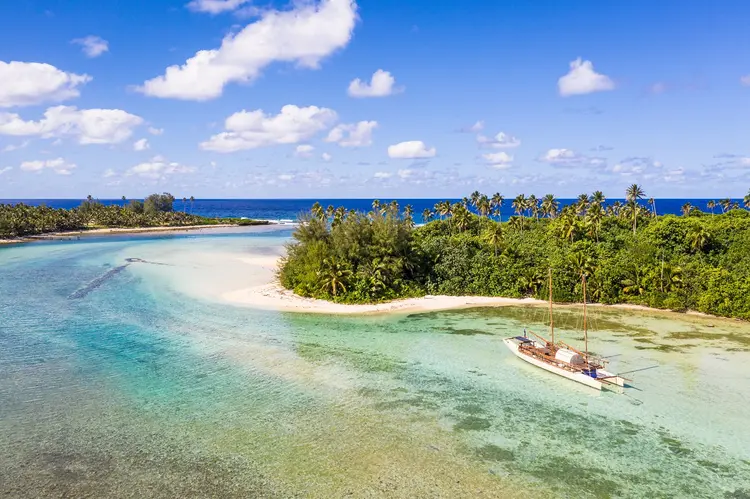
157	210
698	261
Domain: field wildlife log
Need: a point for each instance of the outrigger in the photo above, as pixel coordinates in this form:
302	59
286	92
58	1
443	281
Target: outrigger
562	359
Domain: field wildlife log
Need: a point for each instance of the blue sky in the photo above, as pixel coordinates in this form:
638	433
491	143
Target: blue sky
250	99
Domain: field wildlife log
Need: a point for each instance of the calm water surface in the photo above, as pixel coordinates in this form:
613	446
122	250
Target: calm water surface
140	382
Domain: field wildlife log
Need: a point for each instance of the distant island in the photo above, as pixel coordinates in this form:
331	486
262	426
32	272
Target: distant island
698	261
18	222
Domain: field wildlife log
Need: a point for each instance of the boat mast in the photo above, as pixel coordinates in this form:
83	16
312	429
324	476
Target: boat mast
585	333
551	322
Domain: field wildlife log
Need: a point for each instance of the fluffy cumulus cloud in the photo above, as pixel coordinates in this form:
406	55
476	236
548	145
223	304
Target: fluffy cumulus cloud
382	175
637	165
141	145
92	46
87	126
32	83
158	168
303	35
413	149
254	129
326	157
499	141
59	166
214	7
5	169
381	84
498	160
353	135
569	158
304	151
582	79
155	131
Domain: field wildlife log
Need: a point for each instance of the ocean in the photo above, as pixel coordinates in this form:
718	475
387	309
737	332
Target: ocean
289	209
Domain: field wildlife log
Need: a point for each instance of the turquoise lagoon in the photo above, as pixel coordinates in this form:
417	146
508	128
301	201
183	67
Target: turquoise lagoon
140	381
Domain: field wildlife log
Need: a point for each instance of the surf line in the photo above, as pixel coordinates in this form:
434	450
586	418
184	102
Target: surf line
82	292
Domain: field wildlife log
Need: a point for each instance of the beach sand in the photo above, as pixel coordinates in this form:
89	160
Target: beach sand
268	294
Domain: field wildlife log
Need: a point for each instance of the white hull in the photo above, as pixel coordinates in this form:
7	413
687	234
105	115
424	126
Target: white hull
612	381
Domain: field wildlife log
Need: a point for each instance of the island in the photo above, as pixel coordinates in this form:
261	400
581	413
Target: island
21	223
629	255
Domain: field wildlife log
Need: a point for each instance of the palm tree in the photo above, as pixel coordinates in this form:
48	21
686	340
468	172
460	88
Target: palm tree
594	217
184	205
633	194
726	205
493	235
532	204
519	205
711	205
652	203
317	211
475	198
461	216
443	208
686	209
549	206
582	263
746	200
582	203
497	202
426	215
333	276
192	202
124	199
598	198
483	205
670	277
515	223
376	205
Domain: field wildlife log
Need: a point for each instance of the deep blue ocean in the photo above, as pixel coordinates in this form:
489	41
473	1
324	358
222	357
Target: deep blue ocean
289	209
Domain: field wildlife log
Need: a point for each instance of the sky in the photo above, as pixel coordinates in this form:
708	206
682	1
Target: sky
373	98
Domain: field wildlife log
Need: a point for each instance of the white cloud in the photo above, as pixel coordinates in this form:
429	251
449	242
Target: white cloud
5	170
326	156
304	35
353	135
569	158
304	151
582	79
477	127
411	150
13	147
141	145
498	159
155	131
253	129
745	80
214	7
499	141
285	177
87	126
637	165
383	175
59	166
92	46
158	168
32	83
109	173
382	84
405	173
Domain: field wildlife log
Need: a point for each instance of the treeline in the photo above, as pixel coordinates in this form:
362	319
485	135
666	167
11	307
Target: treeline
157	210
697	261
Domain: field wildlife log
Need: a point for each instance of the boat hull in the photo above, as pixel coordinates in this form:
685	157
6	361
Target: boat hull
604	379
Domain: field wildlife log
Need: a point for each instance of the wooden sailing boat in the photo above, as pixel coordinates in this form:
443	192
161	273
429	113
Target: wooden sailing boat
563	359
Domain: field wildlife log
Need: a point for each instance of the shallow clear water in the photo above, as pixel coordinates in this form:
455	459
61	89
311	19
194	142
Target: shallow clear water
143	382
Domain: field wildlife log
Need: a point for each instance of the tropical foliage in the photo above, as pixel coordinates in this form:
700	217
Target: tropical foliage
20	220
697	261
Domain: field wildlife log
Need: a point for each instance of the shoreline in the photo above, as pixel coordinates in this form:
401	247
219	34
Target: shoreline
272	296
76	234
